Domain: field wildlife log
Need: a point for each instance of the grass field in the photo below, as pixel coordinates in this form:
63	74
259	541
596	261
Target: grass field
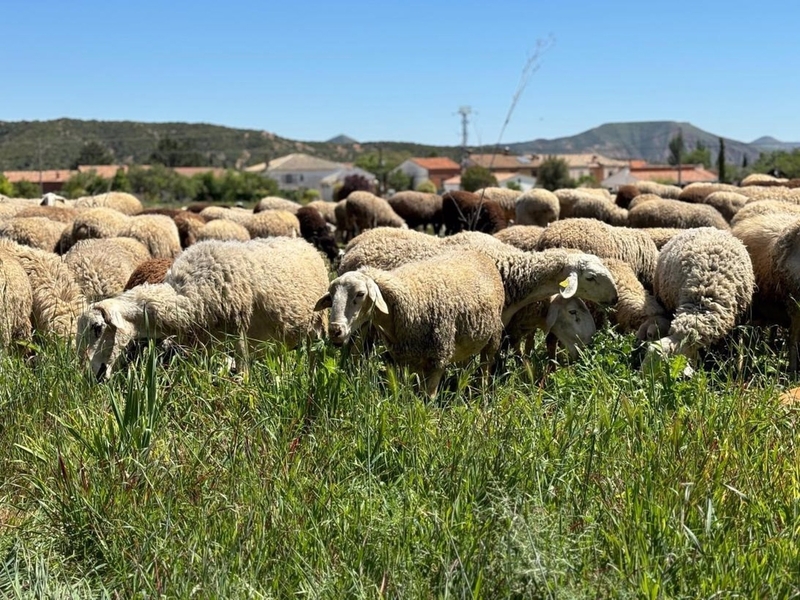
323	476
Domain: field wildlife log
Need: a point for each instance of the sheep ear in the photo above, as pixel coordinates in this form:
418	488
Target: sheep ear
377	298
569	287
110	316
325	302
552	317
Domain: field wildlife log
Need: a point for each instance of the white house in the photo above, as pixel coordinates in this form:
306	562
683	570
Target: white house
305	172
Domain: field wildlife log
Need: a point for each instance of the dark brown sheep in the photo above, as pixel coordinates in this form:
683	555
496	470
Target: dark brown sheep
189	224
625	194
152	270
314	230
418	209
465	211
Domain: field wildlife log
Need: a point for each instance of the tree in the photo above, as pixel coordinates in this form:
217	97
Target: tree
26	189
513	185
427	186
121	182
677	149
477	177
744	161
398	180
700	155
553	174
85	184
172	153
6	187
721	161
93	153
780	161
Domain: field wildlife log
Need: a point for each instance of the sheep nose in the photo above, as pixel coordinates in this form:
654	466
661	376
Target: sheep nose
336	330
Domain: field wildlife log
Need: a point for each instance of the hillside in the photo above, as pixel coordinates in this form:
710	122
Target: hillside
56	144
770	144
647	140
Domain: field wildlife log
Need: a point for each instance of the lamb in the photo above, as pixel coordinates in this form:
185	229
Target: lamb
222	230
326	209
505	198
258	290
764	207
17	298
705	278
429	313
581	203
665	191
37	232
314	230
127	204
566	319
276	203
633	246
57	299
524	237
102	267
418	209
674	213
537	206
272	223
157	232
466	211
153	270
365	210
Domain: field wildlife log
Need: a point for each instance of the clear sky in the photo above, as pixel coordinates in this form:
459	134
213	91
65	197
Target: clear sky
387	70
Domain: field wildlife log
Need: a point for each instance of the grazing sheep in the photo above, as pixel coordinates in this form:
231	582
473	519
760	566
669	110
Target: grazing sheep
102	267
189	225
326	209
237	215
524	237
537	206
157	232
153	270
659	189
755	193
727	203
17	298
98	222
57	299
127	204
276	203
765	207
314	230
567	319
698	192
674	213
345	230
387	248
365	210
418	209
222	230
465	211
51	199
257	290
36	232
761	179
272	223
582	203
637	310
625	195
62	214
641	199
505	198
705	278
661	235
633	246
429	313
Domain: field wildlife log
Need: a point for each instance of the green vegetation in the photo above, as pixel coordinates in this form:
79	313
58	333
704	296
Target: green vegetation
326	476
553	174
426	186
477	177
787	163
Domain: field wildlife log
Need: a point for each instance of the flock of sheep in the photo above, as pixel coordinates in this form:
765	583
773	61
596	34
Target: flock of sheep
679	267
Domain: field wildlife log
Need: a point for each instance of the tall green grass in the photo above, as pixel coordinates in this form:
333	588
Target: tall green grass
325	475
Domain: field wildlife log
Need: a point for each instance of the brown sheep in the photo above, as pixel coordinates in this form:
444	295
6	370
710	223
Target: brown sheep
150	271
418	209
315	230
465	211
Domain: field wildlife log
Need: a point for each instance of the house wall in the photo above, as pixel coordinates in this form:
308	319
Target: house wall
417	173
295	180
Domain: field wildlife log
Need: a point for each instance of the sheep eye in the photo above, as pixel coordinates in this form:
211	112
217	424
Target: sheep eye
360	294
573	312
97	329
590	277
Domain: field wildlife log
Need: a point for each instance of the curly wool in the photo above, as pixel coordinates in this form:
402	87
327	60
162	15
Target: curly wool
189	225
705	277
158	233
122	202
674	213
101	267
222	230
153	270
524	237
632	246
237	215
765	207
418	209
272	223
661	235
537	206
659	189
636	310
727	203
698	192
62	214
314	230
365	210
17	298
755	193
100	222
276	203
36	232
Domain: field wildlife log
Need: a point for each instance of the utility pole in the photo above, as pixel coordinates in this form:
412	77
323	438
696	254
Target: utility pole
39	153
465	112
680	133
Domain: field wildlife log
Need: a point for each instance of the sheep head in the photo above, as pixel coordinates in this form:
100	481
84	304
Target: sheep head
586	277
352	297
571	322
103	334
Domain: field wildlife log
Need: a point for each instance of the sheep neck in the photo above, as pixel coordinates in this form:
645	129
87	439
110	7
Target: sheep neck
532	278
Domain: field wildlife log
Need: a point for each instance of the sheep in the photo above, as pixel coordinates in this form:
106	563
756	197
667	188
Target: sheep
661	235
127	204
153	270
62	214
157	232
345	230
387	248
98	222
524	237
466	211
418	209
697	192
641	199
756	193
365	210
258	290
566	319
57	299
429	313
637	310
52	199
37	232
537	206
582	203
674	213
705	278
272	223
237	215
222	230
625	194
786	261
727	203
665	191
755	179
505	198
17	298
326	209
101	267
314	230
764	207
276	203
633	246
189	225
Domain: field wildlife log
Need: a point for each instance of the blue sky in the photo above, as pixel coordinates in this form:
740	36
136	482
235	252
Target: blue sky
387	70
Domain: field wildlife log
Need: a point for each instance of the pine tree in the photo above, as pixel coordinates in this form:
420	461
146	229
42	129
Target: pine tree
721	161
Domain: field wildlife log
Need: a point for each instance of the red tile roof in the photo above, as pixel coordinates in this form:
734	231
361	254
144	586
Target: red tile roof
689	173
49	176
437	163
104	171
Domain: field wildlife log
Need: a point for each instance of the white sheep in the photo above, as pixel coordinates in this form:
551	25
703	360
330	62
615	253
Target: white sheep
257	290
16	296
102	267
567	319
537	206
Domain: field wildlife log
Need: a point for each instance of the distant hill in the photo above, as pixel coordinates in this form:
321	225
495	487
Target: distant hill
56	144
769	144
648	140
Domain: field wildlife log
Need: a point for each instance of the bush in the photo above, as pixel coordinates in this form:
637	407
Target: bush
426	186
513	185
398	180
6	188
476	177
26	189
85	184
553	174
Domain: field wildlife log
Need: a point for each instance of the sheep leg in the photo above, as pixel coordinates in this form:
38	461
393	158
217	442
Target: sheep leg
794	336
241	360
431	380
